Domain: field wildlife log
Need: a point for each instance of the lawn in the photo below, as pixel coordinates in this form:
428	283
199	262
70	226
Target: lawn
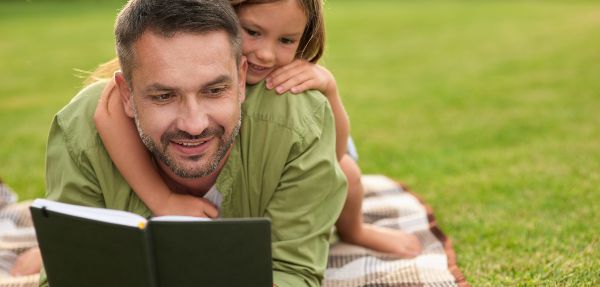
487	109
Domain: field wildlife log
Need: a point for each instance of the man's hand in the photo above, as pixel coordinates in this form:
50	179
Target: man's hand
182	204
28	262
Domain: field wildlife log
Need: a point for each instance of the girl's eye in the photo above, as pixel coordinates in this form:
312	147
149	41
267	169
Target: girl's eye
251	33
287	41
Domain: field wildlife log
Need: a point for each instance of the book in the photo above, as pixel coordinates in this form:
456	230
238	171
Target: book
86	246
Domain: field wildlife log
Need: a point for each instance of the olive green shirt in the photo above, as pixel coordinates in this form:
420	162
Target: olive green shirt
282	166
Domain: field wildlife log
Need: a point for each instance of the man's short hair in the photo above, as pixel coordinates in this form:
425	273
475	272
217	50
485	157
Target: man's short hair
167	17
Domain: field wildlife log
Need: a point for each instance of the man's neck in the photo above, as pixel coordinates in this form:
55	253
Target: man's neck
193	186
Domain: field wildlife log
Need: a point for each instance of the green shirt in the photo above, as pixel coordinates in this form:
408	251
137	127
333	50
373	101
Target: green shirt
282	166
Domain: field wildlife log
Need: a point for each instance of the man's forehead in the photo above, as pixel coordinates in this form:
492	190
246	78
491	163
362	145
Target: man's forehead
183	55
194	43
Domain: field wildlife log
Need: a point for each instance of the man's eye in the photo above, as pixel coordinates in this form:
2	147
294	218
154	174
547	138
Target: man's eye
216	91
163	97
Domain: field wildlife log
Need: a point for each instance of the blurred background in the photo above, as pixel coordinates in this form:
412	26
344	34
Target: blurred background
487	109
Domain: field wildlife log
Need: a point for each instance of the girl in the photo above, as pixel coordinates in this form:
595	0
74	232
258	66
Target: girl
282	42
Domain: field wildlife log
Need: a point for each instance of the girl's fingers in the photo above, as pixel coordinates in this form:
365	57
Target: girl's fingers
302	87
276	80
293	65
279	71
284	73
292	82
284	87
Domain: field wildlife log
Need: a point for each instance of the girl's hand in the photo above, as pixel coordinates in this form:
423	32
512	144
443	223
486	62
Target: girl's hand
301	75
183	204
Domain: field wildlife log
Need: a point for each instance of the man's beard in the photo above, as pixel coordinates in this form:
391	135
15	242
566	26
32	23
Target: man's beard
200	170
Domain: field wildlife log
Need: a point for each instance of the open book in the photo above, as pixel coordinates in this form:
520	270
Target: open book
86	246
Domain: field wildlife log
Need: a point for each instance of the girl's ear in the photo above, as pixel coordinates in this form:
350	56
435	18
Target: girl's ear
125	93
242	77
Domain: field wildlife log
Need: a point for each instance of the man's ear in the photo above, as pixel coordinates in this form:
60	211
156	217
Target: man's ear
125	93
242	77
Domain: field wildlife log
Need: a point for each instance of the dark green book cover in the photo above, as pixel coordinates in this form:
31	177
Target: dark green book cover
224	253
79	249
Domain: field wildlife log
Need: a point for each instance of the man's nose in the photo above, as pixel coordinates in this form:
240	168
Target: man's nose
193	118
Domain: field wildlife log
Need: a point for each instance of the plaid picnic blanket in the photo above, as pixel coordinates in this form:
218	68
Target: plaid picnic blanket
386	203
16	235
389	204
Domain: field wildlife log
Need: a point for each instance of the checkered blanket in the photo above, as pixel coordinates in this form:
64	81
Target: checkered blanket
389	204
16	235
386	203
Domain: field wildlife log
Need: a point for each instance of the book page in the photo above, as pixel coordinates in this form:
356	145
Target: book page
99	214
179	218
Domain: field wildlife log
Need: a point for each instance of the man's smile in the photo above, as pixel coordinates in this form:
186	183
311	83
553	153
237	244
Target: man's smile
190	144
192	147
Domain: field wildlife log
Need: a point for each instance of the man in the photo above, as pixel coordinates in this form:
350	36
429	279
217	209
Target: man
267	156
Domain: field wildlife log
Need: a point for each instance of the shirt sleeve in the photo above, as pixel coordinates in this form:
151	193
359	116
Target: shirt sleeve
68	177
69	174
306	205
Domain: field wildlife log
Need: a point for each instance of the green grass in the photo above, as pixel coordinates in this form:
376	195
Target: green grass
487	109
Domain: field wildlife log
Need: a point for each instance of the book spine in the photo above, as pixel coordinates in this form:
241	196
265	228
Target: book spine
150	258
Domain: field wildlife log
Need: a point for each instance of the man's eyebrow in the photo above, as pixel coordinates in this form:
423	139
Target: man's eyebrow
222	79
157	87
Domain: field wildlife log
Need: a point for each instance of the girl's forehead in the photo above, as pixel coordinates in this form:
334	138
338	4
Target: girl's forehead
285	14
250	2
297	4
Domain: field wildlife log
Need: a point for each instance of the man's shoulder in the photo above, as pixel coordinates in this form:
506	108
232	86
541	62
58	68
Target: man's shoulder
85	100
295	111
76	118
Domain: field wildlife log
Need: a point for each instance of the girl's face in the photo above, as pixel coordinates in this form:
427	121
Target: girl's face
270	37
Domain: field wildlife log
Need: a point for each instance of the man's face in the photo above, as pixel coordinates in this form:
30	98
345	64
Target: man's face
185	97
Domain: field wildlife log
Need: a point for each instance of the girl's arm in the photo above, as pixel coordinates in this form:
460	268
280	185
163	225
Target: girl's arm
301	75
130	156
